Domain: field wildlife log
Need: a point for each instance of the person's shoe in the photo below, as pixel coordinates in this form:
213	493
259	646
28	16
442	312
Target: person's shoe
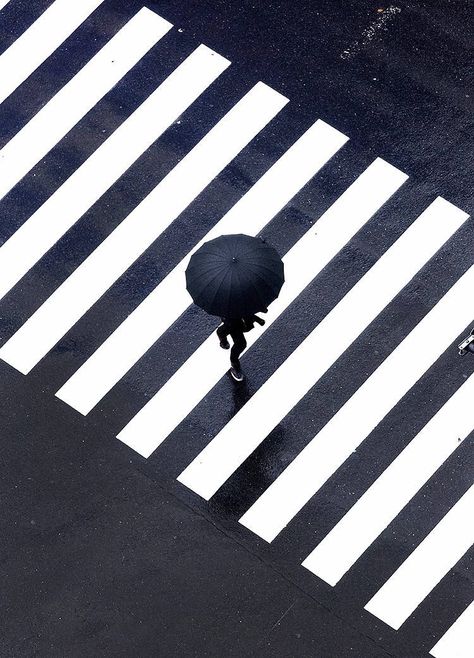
238	375
224	344
467	344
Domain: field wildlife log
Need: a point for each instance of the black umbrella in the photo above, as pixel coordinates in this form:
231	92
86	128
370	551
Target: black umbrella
234	276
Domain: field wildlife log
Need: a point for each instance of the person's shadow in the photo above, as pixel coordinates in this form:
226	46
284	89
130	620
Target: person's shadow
258	470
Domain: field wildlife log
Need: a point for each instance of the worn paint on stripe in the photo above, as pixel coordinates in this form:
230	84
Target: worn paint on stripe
169	300
183	391
138	231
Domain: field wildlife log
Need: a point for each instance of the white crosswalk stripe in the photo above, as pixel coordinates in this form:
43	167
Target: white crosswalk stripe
103	168
394	488
341	548
247	429
458	641
137	232
302	263
427	565
160	309
72	103
40	40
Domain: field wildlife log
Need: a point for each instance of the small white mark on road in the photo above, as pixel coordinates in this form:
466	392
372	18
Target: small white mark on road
381	22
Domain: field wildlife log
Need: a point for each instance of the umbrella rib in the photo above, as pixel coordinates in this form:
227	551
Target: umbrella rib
224	243
229	290
257	292
256	268
206	284
261	265
210	268
209	251
211	302
237	274
268	283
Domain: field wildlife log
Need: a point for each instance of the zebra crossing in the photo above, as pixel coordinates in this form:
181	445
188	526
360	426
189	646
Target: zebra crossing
102	169
369	405
333	445
437	553
427	452
165	304
302	264
144	225
40	40
75	99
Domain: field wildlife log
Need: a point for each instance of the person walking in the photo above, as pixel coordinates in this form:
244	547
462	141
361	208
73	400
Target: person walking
236	328
233	277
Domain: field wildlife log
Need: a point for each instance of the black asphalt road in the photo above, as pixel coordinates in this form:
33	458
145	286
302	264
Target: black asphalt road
103	553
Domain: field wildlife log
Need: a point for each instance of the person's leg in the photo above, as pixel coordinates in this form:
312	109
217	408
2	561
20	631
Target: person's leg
237	348
222	334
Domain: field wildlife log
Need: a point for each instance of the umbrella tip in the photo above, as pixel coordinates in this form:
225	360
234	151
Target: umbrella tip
234	259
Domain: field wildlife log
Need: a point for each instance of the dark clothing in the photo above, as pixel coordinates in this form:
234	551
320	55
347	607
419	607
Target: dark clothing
235	328
250	321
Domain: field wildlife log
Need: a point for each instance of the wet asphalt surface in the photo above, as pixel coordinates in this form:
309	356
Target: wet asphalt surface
102	553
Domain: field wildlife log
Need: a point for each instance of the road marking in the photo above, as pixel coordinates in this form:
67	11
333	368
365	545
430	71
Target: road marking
73	102
397	485
184	390
427	565
458	641
40	40
165	304
270	404
138	231
88	183
346	430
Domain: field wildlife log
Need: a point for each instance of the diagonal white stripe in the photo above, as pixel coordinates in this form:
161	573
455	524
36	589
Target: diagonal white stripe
427	565
366	408
73	102
137	232
394	488
270	404
304	261
3	3
166	303
100	171
40	40
458	641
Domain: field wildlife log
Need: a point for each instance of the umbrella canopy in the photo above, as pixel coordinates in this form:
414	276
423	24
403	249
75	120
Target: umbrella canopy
234	276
